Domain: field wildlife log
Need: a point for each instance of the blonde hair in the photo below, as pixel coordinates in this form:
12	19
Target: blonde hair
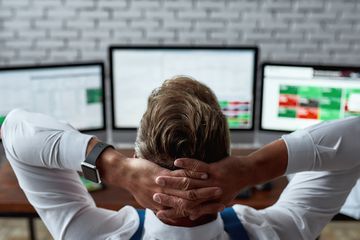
183	119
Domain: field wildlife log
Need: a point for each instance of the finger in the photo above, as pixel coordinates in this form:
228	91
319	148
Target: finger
192	164
171	213
182	183
208	193
197	212
173	202
188	173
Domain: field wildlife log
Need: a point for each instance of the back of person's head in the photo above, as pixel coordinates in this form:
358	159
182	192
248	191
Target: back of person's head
183	119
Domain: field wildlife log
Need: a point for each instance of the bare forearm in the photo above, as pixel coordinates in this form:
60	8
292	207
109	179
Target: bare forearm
270	161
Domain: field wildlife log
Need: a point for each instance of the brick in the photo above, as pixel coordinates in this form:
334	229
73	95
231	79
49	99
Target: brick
340	5
192	35
309	5
350	16
128	34
177	4
176	24
8	53
224	35
314	57
111	4
33	53
5	13
325	16
80	24
61	13
322	35
241	5
64	55
192	14
15	3
80	3
304	46
160	34
128	14
336	46
285	56
93	54
277	5
18	43
94	14
95	34
111	24
50	43
242	25
26	13
210	4
257	35
144	23
163	14
48	24
7	34
225	15
278	46
81	44
275	25
292	36
142	41
144	4
17	24
339	26
46	3
350	36
290	16
64	34
209	25
32	34
306	26
252	16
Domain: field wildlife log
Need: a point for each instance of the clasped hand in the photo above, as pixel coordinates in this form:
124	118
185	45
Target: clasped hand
195	189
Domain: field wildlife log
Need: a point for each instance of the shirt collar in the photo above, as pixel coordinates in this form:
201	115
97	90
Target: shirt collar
159	230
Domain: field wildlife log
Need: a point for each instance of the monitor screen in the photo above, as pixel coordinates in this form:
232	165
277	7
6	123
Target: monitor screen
72	93
229	72
295	96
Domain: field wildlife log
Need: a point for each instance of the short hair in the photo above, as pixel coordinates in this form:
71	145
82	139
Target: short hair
182	119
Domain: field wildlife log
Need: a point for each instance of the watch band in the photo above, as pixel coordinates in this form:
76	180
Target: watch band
96	152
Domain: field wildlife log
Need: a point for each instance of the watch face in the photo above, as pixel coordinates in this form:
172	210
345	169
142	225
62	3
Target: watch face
90	172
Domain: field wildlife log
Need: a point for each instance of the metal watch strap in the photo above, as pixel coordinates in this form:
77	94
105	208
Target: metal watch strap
96	152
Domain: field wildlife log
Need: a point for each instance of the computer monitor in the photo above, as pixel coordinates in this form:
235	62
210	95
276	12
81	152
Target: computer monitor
72	92
298	96
229	72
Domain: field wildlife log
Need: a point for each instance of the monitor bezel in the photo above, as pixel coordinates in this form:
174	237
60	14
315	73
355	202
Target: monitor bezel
113	48
78	64
293	64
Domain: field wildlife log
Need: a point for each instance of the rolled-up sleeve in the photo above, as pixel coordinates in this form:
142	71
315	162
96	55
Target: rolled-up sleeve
329	146
45	154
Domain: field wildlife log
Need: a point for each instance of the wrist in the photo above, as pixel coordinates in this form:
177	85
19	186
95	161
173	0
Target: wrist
112	167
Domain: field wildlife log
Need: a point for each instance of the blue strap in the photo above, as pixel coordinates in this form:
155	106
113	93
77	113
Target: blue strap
138	234
233	226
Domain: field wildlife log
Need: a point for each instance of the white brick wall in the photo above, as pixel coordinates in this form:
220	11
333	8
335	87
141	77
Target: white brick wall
321	31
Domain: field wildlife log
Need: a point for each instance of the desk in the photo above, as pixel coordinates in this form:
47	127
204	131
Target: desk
13	202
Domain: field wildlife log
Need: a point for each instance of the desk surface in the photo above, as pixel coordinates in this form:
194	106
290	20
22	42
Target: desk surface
13	200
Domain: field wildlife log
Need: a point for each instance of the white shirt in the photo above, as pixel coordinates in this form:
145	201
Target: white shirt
45	155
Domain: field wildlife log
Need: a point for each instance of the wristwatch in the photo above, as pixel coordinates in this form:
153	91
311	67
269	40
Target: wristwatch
89	165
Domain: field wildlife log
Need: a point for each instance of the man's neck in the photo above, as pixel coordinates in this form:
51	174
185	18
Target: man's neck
186	222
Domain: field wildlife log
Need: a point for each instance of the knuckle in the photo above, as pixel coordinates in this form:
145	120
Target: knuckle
191	194
185	184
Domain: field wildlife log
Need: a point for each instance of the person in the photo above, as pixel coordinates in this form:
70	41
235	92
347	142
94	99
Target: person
45	155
